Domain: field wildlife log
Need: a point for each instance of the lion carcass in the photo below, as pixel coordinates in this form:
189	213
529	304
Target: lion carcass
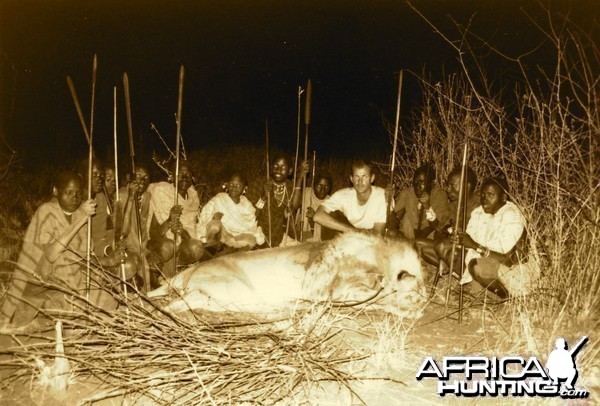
351	268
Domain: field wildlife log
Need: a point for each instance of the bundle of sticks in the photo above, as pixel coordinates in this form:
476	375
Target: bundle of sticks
189	358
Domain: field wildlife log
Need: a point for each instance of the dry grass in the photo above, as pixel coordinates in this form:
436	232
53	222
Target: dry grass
548	149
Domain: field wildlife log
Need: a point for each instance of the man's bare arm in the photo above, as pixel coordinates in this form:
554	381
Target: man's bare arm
327	220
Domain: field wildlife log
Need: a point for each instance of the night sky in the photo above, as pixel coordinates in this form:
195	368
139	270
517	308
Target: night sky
244	61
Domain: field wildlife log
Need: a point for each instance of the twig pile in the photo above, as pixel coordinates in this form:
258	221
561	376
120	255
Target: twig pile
191	358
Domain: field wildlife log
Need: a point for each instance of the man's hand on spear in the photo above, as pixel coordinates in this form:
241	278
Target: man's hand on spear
303	169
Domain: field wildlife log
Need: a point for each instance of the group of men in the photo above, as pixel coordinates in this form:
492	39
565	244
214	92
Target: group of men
154	224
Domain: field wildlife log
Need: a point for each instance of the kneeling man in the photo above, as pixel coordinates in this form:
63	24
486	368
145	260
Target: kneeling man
491	240
363	205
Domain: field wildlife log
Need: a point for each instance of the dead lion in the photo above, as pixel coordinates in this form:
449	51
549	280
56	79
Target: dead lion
351	268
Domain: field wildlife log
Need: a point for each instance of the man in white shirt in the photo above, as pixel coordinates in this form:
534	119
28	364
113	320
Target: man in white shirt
492	234
363	205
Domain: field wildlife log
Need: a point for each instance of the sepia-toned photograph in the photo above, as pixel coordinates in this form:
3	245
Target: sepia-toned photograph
299	202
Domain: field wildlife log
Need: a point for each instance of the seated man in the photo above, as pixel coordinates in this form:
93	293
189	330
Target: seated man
491	238
135	196
230	218
422	208
102	222
363	205
276	200
110	182
425	246
170	224
132	209
54	249
313	198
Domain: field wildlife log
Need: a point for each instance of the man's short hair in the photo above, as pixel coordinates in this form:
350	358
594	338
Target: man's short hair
471	177
281	155
64	177
318	178
361	163
82	166
428	171
499	181
182	162
237	174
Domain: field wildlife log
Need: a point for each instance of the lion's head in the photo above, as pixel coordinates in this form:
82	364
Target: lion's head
355	267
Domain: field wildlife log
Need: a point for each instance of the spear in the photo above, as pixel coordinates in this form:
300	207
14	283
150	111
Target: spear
314	168
177	146
87	132
118	213
136	202
183	154
306	124
129	125
460	226
90	158
393	163
312	177
300	91
268	178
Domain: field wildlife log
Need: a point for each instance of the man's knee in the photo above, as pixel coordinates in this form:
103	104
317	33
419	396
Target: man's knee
162	247
191	250
441	247
485	272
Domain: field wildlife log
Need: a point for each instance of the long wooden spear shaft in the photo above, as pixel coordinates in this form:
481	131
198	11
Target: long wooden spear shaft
395	145
268	178
177	147
306	125
460	226
118	221
136	202
300	91
129	125
86	132
90	170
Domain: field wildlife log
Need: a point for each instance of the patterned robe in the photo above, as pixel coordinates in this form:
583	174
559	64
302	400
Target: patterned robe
48	223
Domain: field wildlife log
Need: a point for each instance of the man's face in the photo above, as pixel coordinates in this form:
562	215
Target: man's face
420	184
361	179
110	181
322	188
97	178
492	198
280	170
70	196
453	187
235	187
142	178
185	178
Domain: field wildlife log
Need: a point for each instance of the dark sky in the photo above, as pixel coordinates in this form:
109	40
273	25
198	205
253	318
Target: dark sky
244	60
